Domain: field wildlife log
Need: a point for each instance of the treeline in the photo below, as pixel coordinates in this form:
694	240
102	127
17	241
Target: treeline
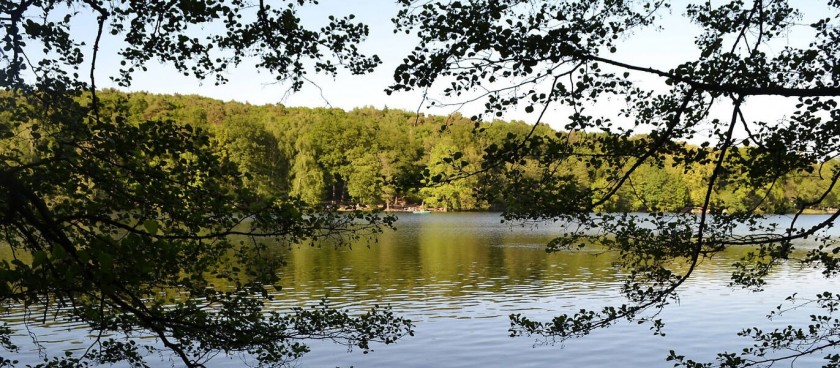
391	158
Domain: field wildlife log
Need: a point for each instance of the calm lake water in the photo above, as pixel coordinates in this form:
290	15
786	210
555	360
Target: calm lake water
459	277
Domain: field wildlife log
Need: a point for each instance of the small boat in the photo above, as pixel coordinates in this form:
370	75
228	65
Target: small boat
421	212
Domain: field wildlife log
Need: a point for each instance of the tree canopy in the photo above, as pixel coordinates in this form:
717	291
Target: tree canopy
534	56
388	158
144	228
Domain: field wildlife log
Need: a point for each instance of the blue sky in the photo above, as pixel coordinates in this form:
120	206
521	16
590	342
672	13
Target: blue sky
650	48
345	91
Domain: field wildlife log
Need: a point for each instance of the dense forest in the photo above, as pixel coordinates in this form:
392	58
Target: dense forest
392	159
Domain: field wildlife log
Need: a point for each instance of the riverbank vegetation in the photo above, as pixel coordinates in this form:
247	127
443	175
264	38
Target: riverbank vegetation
393	159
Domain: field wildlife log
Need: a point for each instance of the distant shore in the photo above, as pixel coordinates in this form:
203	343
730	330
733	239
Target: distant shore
418	208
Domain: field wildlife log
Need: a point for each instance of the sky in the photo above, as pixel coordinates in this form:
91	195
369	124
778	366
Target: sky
649	48
346	91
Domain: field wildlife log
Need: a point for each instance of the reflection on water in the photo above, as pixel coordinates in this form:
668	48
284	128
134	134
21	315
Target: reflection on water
459	276
443	256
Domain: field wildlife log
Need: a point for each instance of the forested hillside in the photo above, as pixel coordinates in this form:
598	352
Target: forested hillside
392	159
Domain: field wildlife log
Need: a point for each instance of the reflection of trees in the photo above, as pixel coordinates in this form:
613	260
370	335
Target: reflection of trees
450	255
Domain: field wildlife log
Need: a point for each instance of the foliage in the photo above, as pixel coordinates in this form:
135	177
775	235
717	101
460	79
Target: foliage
317	154
534	56
109	200
125	224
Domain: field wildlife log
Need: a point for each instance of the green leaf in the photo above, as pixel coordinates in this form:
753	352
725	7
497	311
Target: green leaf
38	258
151	226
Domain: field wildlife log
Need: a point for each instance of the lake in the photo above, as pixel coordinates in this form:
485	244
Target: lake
459	276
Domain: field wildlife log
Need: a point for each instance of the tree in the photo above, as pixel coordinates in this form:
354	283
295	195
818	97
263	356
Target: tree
364	183
308	182
446	161
657	189
104	214
256	152
517	54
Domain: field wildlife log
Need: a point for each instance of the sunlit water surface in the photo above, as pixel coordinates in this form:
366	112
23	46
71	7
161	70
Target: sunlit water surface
459	277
